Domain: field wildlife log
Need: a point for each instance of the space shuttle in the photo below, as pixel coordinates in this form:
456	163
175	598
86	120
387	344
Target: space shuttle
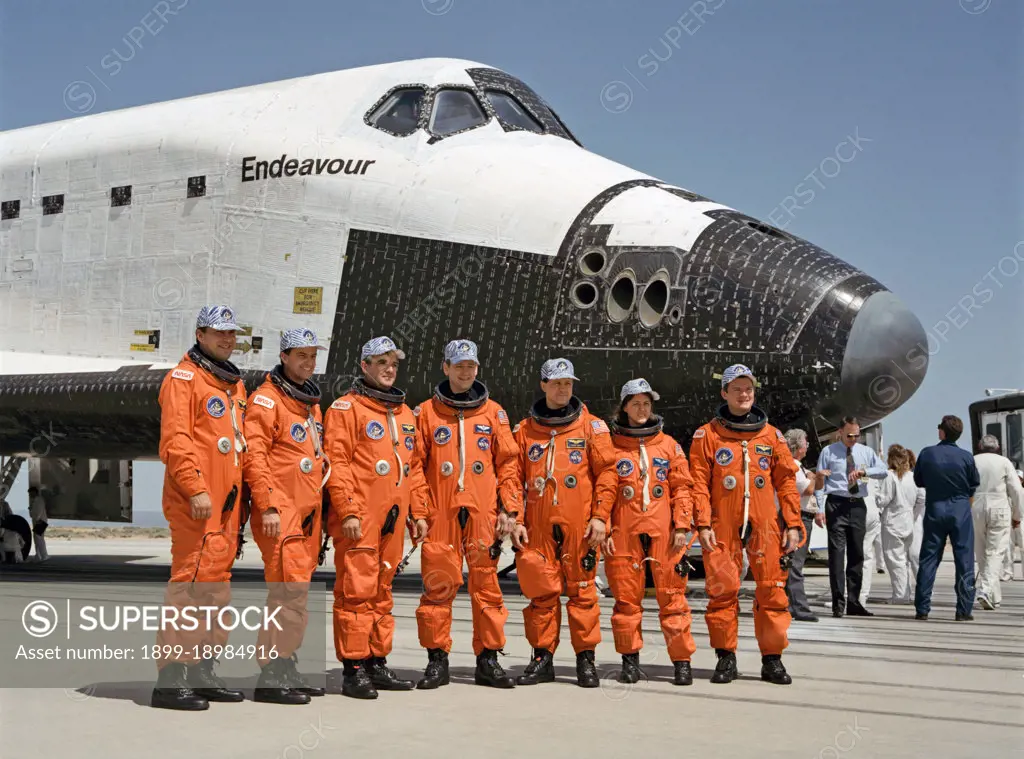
426	200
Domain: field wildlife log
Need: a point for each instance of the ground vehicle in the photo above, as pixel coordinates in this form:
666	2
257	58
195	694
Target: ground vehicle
1001	414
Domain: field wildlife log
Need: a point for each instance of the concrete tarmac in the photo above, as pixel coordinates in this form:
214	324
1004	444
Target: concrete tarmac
887	686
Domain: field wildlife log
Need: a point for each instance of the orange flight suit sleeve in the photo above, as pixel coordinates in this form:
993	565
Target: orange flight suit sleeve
519	436
601	455
681	485
506	465
701	465
260	430
177	445
339	445
420	507
421	453
784	469
605	493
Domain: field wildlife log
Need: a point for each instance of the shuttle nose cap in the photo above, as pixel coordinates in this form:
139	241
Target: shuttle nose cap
885	361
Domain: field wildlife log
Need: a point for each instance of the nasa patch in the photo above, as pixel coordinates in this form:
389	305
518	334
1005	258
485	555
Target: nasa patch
183	374
576	457
762	450
576	442
442	434
699	433
662	474
723	456
215	407
515	429
374	430
503	418
298	433
764	463
535	452
599	426
342	405
624	467
482	429
408	429
483	443
262	400
409	443
416	411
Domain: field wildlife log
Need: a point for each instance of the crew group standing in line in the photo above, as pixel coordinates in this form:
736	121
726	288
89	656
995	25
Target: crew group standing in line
560	484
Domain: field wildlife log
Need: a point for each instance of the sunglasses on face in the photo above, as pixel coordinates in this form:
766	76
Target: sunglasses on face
851	436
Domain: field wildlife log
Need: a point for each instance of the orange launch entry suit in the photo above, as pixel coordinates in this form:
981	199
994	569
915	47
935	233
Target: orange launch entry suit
561	455
202	412
737	467
469	455
286	470
643	499
370	440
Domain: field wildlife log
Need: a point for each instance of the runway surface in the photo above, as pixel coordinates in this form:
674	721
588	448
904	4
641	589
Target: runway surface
887	686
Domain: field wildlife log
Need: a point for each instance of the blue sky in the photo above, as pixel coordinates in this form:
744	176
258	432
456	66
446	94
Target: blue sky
737	100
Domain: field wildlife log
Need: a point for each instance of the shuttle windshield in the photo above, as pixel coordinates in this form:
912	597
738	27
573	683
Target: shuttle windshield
455	111
510	113
400	113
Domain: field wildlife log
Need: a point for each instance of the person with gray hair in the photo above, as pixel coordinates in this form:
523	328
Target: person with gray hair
799	607
997	504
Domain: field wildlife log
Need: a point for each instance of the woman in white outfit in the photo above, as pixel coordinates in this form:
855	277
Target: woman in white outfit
897	494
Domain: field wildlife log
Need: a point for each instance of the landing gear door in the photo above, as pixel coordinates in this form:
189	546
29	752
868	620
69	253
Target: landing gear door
87	490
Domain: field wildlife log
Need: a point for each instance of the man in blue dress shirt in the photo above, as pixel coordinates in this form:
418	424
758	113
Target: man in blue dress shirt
846	465
949	477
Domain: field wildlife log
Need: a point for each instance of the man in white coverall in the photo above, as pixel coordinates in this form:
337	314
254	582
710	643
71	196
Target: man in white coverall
997	503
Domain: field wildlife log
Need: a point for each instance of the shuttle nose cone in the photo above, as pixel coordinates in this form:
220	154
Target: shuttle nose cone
885	361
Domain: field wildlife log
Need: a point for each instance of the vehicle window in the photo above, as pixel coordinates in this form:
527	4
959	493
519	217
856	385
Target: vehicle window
510	111
400	113
455	111
1015	438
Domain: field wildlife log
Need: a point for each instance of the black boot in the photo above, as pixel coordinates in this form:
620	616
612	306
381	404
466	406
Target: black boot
356	682
684	675
296	680
586	672
436	673
273	687
772	670
384	678
209	686
725	670
489	672
541	669
172	691
630	668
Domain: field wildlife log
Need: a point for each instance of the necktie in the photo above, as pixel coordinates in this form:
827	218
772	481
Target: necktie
850	467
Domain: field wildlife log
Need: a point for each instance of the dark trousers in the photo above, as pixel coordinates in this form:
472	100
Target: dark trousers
944	519
845	519
798	604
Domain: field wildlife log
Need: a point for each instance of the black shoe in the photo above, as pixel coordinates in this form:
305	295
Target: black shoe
356	682
684	675
541	669
964	617
858	611
805	618
273	686
489	672
296	680
436	673
725	670
172	691
202	678
919	615
772	670
586	672
383	677
630	668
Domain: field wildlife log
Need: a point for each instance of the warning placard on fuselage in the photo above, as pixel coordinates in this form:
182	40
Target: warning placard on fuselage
308	300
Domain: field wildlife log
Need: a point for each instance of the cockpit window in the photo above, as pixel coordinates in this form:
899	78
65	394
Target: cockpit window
400	113
511	113
455	111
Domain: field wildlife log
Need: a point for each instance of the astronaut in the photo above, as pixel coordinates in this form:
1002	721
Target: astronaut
376	483
646	499
286	470
739	464
562	450
469	454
